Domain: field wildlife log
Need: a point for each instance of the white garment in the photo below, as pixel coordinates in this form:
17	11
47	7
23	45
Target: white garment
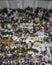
45	58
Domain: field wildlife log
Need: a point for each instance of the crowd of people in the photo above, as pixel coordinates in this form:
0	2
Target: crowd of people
25	36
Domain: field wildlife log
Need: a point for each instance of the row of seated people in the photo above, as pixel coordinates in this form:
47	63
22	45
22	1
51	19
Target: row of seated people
24	14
